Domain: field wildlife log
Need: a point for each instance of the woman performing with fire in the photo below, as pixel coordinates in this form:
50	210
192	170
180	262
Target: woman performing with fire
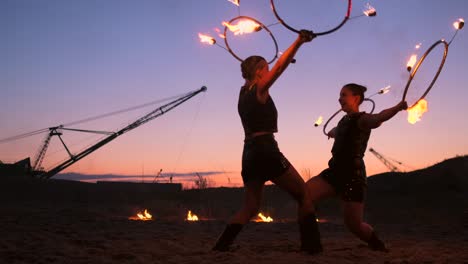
345	176
261	158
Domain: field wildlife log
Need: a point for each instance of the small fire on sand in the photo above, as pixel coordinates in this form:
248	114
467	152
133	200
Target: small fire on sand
191	217
262	218
143	216
415	112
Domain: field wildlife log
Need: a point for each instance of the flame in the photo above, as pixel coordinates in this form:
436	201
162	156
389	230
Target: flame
415	112
385	90
411	62
206	39
243	26
319	121
191	217
236	2
221	35
459	23
418	45
262	218
145	216
370	11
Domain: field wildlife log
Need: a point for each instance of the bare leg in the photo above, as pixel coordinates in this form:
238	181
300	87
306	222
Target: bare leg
251	206
353	217
319	189
353	212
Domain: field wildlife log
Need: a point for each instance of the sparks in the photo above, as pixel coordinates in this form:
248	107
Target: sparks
415	112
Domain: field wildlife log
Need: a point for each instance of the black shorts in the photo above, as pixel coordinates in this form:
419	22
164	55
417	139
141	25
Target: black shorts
349	181
262	160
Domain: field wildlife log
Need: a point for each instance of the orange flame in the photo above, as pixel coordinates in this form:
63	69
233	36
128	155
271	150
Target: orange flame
191	217
206	39
319	121
370	11
459	23
415	112
236	2
243	26
411	62
262	218
145	216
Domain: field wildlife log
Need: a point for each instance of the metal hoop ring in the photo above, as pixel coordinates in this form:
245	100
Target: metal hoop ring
261	25
418	64
337	112
348	12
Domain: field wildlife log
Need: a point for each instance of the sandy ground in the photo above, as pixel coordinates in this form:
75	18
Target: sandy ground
62	231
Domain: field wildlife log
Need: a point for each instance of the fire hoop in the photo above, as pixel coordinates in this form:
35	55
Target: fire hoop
337	112
418	64
262	26
348	12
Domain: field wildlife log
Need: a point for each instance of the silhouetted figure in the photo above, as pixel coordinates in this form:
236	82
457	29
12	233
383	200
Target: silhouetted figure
261	159
345	176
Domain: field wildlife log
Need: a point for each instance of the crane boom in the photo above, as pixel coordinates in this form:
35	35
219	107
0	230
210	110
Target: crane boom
146	118
385	161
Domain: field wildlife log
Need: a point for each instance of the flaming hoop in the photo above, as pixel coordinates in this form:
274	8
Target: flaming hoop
348	12
259	26
418	64
337	112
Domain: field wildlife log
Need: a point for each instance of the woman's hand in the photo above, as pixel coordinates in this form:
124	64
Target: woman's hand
403	105
306	36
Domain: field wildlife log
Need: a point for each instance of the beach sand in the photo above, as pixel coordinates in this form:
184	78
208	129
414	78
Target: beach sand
65	222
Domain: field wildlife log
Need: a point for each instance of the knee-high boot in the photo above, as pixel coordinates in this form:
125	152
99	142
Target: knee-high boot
376	244
310	235
227	237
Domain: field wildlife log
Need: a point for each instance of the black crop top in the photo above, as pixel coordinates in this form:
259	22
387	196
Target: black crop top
255	116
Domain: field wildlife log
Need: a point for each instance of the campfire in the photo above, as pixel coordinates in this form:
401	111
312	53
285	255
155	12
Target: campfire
191	217
143	216
262	218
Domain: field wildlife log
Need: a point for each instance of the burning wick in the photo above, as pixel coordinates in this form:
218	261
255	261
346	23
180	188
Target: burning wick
385	90
459	24
206	39
319	121
411	62
370	11
243	26
236	2
415	112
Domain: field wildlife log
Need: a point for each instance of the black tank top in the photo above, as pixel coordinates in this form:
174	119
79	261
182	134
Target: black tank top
255	116
350	140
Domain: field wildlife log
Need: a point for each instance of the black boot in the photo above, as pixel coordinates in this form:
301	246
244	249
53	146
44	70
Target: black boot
310	235
376	244
227	237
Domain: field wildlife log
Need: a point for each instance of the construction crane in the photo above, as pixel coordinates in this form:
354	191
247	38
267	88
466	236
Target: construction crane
56	131
385	161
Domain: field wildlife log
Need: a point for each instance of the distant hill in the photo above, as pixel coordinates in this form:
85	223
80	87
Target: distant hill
450	175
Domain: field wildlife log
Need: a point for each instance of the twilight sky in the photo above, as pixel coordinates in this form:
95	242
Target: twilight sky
63	61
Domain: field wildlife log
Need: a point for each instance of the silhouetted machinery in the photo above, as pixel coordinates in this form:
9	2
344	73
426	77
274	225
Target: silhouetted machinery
57	131
385	161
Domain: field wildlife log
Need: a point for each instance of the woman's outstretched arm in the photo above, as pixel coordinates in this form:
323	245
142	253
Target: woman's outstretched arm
372	121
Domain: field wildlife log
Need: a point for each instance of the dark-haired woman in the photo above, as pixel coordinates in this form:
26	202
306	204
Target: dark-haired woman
345	176
261	158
